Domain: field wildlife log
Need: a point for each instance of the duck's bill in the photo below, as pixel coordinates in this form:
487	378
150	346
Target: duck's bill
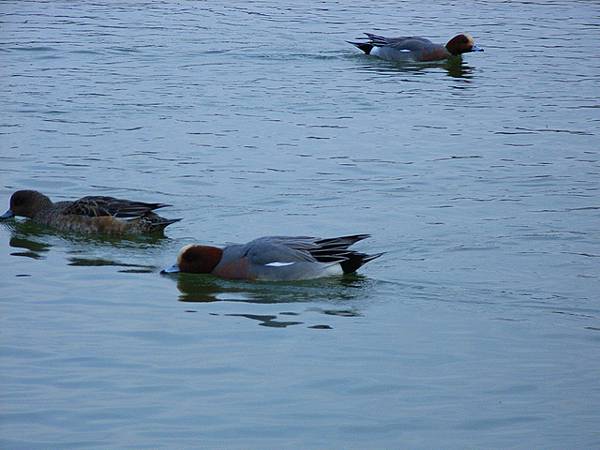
173	269
7	215
475	48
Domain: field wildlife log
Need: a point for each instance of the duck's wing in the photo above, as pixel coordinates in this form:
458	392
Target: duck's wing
290	249
97	206
278	250
411	43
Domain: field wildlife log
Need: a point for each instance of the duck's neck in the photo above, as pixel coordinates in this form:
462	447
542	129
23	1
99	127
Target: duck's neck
38	202
43	202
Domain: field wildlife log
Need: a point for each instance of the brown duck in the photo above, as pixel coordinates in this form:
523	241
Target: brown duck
90	215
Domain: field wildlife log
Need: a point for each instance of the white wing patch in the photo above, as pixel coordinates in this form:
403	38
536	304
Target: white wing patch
279	264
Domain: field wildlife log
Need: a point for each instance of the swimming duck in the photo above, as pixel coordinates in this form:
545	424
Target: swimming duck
91	215
275	258
412	48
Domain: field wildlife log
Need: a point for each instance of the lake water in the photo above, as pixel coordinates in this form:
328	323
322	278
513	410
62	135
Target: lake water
479	327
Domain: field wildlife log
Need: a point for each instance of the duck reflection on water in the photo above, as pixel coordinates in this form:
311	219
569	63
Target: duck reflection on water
197	288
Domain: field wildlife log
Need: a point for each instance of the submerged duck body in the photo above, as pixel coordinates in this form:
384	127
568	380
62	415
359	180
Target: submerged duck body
89	215
414	48
275	258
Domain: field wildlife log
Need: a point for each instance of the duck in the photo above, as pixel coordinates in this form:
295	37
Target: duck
275	258
89	215
413	48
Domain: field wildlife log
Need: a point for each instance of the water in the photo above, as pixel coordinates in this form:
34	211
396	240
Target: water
479	328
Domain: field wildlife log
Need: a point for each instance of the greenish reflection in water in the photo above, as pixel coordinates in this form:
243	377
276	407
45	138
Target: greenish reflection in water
197	288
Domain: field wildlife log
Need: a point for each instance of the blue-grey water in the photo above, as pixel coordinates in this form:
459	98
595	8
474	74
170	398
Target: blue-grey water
479	327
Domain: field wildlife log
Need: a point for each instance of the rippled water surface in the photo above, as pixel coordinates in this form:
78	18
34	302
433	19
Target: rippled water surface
479	327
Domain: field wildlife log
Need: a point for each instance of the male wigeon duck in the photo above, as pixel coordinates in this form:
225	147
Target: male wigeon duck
91	215
412	48
275	258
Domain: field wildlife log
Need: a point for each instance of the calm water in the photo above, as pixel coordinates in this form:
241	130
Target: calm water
479	328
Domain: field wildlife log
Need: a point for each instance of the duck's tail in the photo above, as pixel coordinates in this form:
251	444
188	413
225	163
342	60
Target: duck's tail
356	260
163	223
335	250
364	46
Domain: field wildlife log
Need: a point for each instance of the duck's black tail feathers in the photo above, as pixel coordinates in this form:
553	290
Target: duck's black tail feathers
356	260
364	46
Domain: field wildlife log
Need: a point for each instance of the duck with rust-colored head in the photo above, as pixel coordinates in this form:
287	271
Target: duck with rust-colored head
275	258
413	48
89	215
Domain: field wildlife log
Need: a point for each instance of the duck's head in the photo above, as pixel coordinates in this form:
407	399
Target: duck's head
462	43
195	258
26	203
